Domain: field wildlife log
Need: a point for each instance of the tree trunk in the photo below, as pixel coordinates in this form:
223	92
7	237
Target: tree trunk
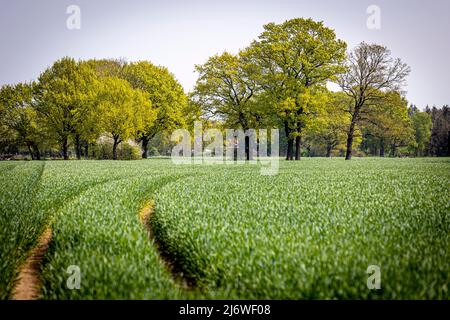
298	140
290	149
382	148
298	146
116	143
86	151
329	150
30	151
65	147
247	148
145	142
37	153
93	150
393	150
350	133
290	146
78	146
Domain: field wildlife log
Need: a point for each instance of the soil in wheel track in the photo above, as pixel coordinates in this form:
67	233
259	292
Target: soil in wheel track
29	283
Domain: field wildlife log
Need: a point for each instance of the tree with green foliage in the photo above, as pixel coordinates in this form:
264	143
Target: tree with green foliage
295	59
331	124
20	118
371	71
123	111
421	123
64	97
166	95
388	122
226	90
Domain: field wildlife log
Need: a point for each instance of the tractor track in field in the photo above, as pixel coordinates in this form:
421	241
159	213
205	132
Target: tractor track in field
29	283
174	268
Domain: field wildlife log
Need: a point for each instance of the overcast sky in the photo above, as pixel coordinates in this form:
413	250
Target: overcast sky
179	34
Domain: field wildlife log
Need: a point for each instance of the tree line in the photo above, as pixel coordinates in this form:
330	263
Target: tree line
279	80
76	102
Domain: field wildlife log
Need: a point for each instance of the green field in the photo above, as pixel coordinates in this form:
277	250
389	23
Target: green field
309	232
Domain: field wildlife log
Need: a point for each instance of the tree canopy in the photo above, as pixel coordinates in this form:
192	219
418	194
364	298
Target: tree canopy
165	94
124	111
295	59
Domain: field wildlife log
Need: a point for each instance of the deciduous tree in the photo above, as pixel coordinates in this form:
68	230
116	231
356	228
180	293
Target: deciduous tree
226	90
165	94
124	111
421	123
20	118
388	122
371	71
63	96
332	124
294	58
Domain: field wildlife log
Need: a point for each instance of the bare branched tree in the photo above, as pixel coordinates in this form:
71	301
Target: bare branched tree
371	71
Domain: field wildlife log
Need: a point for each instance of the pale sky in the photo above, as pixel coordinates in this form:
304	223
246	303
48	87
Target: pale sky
179	34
